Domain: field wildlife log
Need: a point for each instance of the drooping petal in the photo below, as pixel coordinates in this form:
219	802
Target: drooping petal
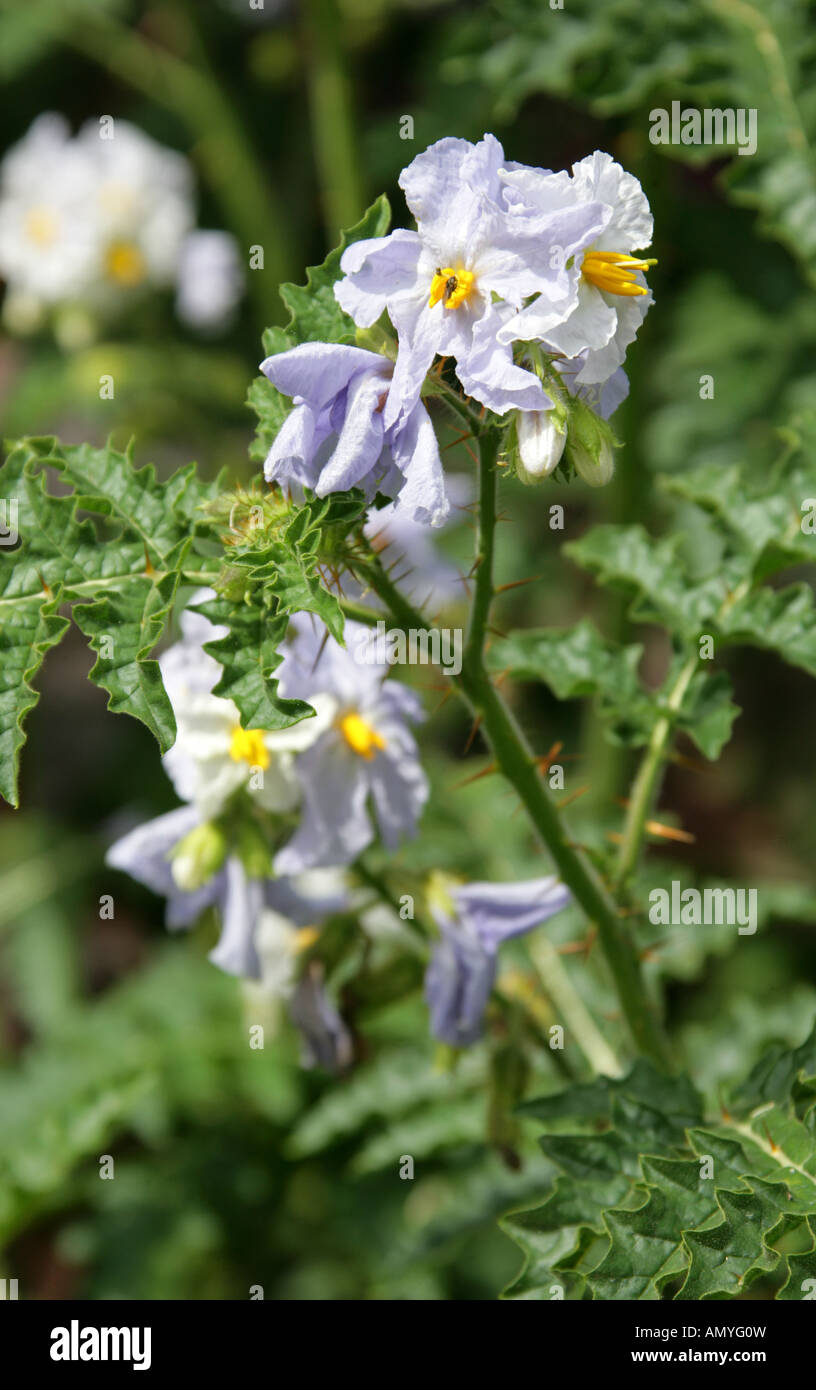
241	903
360	441
415	451
326	1039
458	982
494	912
316	372
290	459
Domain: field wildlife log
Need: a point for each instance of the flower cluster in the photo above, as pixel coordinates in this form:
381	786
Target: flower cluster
90	222
529	281
265	812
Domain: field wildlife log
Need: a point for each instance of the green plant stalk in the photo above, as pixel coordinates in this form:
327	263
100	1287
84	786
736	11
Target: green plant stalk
644	787
571	1007
517	764
336	146
194	93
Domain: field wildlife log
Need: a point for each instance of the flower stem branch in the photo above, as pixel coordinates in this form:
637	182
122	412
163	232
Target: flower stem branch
644	787
517	763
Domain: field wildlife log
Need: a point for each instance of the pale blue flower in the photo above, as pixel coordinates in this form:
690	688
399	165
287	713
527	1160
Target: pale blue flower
452	286
463	964
366	762
609	295
149	854
340	434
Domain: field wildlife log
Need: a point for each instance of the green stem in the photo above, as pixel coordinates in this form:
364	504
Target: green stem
483	594
336	146
644	787
517	763
571	1007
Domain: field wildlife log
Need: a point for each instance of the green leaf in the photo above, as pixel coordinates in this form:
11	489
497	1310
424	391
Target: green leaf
121	569
249	654
316	315
653	1203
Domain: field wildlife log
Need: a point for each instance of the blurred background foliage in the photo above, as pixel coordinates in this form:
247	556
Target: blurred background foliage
235	1167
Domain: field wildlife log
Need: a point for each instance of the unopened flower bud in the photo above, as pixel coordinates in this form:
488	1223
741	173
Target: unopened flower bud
590	445
198	856
541	436
595	468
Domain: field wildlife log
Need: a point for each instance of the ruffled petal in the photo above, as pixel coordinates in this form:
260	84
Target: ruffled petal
487	371
375	270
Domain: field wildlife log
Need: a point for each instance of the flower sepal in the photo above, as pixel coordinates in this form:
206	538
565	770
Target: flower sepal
199	856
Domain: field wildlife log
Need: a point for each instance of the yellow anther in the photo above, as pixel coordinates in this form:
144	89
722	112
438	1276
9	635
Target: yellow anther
360	736
612	271
247	746
125	264
451	286
41	226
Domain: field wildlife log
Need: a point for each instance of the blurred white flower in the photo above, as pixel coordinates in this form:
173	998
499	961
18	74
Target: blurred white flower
90	222
210	280
142	208
48	245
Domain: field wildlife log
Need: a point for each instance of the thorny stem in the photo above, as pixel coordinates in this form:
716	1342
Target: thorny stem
518	765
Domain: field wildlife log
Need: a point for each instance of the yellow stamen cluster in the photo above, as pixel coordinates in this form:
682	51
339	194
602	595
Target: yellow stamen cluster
360	737
612	271
125	264
451	286
41	226
247	746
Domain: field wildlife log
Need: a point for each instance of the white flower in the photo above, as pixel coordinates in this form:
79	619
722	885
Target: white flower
213	755
611	295
210	280
48	250
142	208
365	759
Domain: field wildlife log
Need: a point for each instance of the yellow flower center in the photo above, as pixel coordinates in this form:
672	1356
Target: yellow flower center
125	264
451	286
41	227
360	736
247	746
612	271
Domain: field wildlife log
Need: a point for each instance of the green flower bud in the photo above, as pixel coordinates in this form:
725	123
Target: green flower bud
198	856
590	445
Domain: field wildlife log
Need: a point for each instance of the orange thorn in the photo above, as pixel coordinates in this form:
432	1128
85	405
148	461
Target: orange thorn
517	584
477	776
573	796
148	569
545	763
473	732
669	832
